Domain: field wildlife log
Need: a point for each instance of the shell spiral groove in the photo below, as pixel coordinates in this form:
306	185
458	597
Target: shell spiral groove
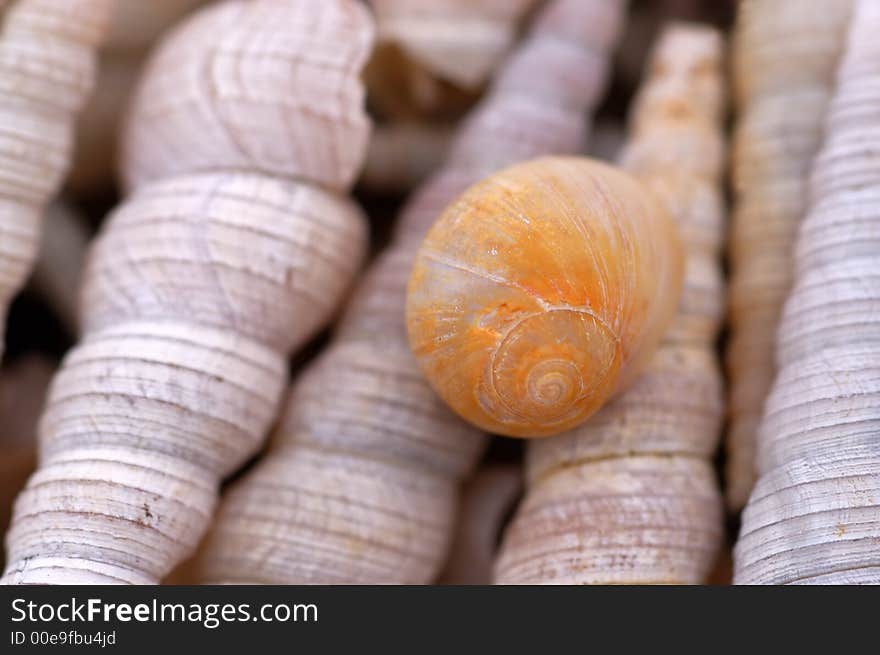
540	292
555	375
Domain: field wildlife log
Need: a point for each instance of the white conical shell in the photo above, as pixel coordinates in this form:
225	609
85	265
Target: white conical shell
199	286
814	514
785	55
211	95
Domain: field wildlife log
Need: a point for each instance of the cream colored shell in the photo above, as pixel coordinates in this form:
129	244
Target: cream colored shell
223	106
814	514
785	54
234	247
541	292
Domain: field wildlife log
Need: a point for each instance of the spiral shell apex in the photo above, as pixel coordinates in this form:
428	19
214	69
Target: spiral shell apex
540	292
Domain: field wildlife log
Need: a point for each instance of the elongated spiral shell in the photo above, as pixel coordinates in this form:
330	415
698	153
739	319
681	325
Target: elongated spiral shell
47	68
630	496
360	484
540	292
814	514
785	54
234	247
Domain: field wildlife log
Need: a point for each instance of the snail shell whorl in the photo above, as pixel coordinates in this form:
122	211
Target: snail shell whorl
265	257
540	292
210	95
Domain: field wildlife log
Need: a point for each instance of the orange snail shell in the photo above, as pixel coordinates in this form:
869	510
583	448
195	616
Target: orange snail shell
540	293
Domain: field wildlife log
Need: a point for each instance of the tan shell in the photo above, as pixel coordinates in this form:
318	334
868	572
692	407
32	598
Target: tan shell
235	246
814	514
785	55
541	292
631	495
47	68
361	482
